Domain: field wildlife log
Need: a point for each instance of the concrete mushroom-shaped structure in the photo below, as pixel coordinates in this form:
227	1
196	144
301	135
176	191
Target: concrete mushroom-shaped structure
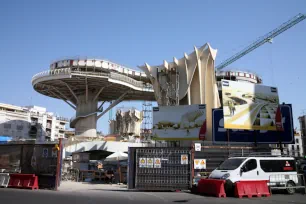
189	80
87	84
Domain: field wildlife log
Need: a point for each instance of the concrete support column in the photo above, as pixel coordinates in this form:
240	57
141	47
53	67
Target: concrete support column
87	126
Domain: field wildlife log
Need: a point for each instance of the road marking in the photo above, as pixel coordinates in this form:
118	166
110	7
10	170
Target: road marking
163	199
129	196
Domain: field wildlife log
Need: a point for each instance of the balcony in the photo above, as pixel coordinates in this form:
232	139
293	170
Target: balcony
49	126
62	119
33	123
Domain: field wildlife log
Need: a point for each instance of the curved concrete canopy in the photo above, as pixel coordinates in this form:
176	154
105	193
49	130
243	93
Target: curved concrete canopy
83	83
196	80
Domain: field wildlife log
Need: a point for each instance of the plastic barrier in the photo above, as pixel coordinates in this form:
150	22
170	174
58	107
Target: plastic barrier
23	181
212	187
4	179
252	189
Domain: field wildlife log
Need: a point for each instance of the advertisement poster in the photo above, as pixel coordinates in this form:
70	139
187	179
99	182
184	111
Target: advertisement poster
142	162
184	159
186	122
286	136
150	163
199	163
157	163
249	106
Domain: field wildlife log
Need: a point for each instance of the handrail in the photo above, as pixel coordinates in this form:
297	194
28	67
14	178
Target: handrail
63	71
257	154
112	75
127	79
83	58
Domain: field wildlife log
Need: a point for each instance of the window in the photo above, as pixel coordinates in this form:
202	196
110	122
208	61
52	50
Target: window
230	164
292	147
250	165
298	147
7	126
297	141
19	127
277	165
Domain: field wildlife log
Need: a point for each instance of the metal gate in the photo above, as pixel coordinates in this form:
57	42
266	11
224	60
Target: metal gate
31	158
163	168
214	154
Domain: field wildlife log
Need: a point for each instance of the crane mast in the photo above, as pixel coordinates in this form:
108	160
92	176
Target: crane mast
262	40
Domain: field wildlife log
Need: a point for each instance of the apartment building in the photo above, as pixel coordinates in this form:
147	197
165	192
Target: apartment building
296	149
31	123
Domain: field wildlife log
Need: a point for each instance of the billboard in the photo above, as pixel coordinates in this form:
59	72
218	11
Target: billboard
219	133
186	122
249	106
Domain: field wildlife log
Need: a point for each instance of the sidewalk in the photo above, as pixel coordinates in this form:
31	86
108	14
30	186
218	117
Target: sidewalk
68	186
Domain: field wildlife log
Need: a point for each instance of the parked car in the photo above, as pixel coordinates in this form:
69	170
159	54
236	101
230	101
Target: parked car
280	171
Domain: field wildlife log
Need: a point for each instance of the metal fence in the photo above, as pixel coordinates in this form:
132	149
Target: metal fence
289	182
170	170
215	154
38	159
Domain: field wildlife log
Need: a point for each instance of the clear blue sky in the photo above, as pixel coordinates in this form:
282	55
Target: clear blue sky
34	33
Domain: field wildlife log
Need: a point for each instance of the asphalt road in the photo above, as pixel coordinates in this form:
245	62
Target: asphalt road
101	194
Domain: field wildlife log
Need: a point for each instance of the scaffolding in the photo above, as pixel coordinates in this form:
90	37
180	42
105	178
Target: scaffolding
169	91
147	122
169	86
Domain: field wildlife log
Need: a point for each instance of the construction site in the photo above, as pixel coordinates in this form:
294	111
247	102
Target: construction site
201	128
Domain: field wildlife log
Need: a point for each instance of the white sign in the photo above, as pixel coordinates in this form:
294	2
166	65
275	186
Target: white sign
45	153
186	122
142	162
200	164
157	163
197	147
184	159
54	153
150	162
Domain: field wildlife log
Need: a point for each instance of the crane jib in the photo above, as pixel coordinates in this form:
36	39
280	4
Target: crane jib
262	40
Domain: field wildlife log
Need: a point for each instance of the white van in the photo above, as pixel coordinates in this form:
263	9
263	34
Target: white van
280	171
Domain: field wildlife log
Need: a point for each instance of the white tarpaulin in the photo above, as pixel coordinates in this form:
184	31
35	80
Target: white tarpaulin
117	156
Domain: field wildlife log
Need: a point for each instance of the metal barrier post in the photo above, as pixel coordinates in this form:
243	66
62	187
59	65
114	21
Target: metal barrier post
192	165
58	164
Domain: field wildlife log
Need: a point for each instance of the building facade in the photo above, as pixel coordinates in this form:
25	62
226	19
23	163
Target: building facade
30	123
302	120
296	149
127	123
